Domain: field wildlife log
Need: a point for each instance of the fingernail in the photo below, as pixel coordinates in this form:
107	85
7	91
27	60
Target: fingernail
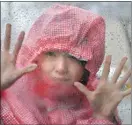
76	83
125	58
21	36
109	57
130	70
32	67
8	25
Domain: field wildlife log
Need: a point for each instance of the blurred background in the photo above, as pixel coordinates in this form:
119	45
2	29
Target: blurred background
118	32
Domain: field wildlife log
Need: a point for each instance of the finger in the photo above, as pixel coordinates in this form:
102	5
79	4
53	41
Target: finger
82	88
127	92
18	46
106	68
118	70
7	39
124	79
26	69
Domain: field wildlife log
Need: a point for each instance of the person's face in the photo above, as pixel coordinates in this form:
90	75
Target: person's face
60	67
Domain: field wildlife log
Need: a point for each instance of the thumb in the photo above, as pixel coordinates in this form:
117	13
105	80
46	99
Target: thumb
82	88
27	69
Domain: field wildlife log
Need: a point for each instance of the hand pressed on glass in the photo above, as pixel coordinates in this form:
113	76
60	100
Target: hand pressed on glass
108	94
9	72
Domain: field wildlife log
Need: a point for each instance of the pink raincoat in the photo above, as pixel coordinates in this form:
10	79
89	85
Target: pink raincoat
33	101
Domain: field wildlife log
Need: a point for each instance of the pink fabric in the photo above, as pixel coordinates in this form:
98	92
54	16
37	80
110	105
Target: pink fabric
33	101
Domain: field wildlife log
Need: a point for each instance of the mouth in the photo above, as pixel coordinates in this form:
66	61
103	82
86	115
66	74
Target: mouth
60	79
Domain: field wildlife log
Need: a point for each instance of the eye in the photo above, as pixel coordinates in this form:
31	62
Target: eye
51	53
83	63
74	58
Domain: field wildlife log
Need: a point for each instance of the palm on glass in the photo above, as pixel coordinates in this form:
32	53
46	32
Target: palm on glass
9	72
108	94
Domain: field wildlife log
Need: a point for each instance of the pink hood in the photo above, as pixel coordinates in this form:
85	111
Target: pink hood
68	29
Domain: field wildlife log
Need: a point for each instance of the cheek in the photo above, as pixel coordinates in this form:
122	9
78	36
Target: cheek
76	72
46	67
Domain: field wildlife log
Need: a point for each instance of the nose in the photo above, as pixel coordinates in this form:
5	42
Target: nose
61	65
